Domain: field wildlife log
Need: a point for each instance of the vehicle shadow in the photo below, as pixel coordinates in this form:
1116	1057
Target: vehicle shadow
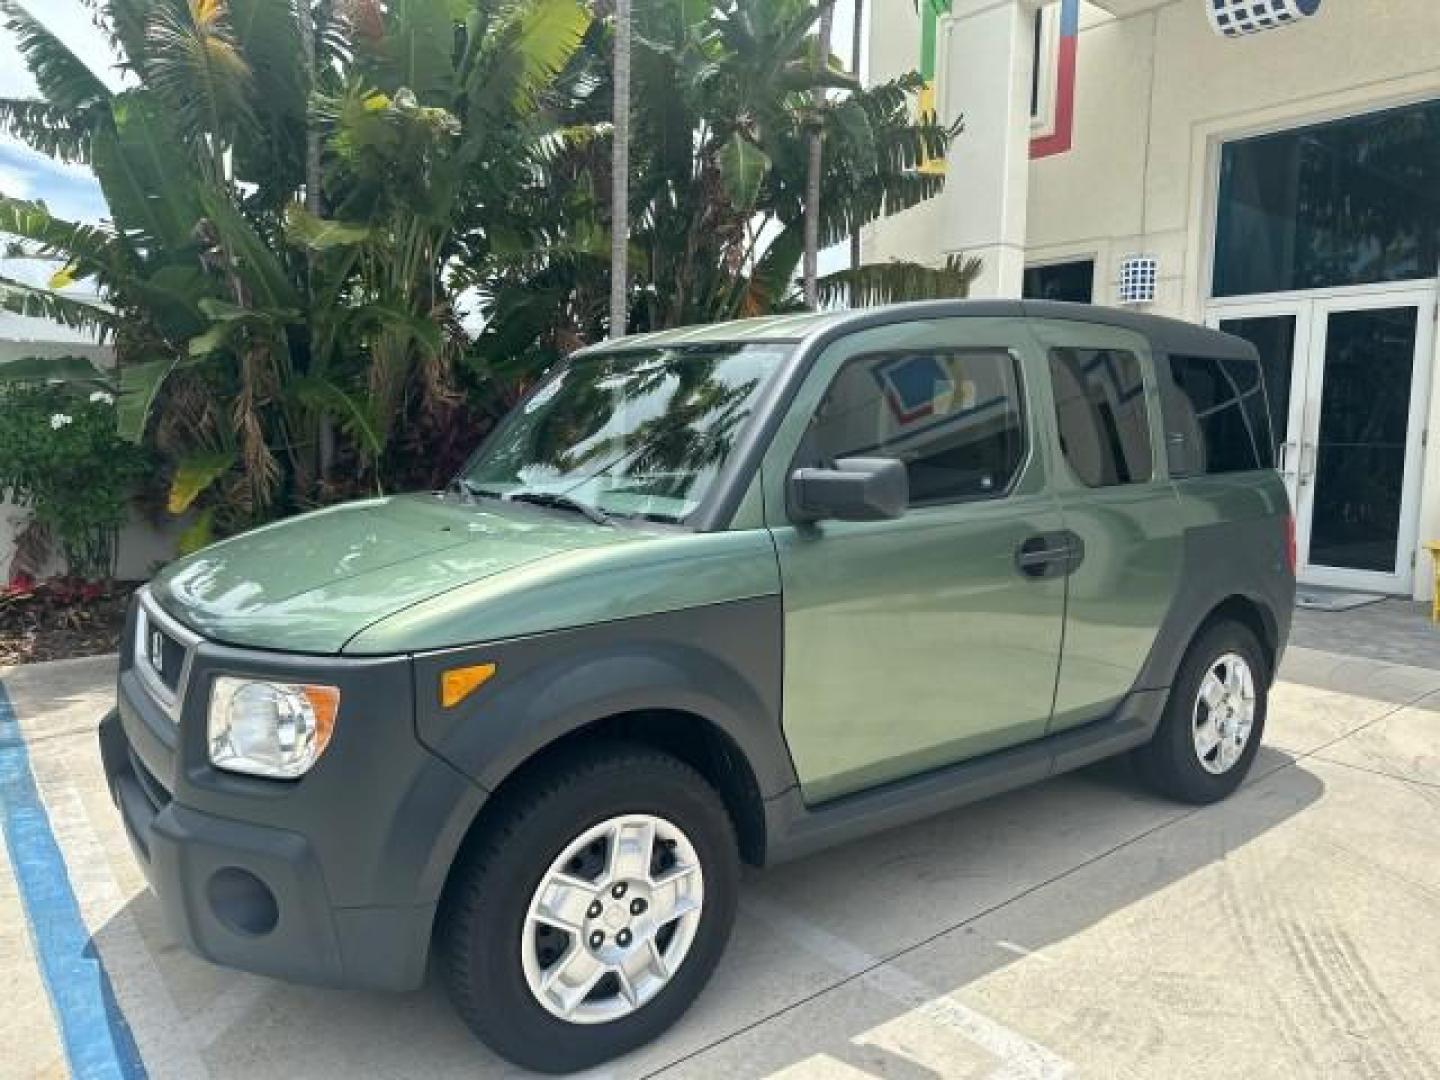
953	900
851	924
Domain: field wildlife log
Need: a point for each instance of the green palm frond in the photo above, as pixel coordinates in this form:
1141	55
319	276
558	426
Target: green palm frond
898	280
86	249
21	298
69	369
123	23
523	53
194	63
64	79
53	130
146	175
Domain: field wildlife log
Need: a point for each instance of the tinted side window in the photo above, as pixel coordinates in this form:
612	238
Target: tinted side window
1215	417
1100	411
955	418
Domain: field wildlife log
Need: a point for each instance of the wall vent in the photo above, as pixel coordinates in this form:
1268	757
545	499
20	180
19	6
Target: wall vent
1138	276
1237	18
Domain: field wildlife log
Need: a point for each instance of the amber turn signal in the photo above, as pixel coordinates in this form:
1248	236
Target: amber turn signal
459	683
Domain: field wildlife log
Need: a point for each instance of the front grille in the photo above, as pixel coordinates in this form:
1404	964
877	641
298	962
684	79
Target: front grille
165	655
162	650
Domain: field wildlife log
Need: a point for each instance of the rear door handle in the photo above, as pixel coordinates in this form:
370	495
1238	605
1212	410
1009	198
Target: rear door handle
1048	555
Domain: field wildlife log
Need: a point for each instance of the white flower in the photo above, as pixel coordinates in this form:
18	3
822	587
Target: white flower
102	397
59	420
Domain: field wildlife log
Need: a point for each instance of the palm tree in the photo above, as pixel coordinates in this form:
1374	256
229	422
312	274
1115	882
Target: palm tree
813	159
857	33
242	318
620	176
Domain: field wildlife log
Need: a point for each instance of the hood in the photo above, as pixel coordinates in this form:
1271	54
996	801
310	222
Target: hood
310	583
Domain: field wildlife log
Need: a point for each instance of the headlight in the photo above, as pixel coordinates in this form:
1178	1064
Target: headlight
270	729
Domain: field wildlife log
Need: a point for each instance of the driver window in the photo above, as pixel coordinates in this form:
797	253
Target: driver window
954	417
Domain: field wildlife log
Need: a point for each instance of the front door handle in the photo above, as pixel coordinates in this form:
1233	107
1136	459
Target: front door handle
1047	555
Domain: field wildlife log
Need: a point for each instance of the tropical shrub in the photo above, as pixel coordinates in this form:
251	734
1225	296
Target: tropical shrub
62	459
267	348
311	201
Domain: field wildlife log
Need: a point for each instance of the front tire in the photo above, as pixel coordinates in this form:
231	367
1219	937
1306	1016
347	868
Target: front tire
590	912
1214	718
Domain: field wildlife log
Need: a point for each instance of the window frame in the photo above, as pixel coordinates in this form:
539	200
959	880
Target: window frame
1152	416
1024	401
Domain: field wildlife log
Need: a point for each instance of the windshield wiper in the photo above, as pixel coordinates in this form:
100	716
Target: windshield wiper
473	490
556	500
552	500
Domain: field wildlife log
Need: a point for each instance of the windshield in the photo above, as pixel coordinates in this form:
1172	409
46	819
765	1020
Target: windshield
632	434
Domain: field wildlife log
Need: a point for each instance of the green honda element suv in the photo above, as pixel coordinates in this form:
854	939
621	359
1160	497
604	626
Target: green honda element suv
722	594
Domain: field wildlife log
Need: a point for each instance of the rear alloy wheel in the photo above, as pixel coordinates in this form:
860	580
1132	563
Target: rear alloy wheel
1224	714
590	908
1214	718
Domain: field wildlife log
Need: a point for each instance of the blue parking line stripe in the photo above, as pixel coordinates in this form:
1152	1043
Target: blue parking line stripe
98	1042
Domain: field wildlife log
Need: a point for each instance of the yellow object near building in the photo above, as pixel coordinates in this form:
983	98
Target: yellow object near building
1434	548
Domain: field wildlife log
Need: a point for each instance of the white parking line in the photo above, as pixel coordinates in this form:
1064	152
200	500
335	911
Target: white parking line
1020	1058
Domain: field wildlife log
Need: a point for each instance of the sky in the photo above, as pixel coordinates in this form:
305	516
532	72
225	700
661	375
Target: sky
69	191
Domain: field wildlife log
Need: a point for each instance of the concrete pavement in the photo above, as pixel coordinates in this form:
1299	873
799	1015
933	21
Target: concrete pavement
1080	927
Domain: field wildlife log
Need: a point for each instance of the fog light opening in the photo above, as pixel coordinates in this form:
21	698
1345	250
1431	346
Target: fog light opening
242	902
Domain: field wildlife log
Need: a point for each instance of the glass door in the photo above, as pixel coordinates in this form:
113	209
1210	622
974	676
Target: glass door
1280	331
1347	389
1361	446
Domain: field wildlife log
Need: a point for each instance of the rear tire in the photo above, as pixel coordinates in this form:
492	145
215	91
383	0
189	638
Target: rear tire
633	851
1214	718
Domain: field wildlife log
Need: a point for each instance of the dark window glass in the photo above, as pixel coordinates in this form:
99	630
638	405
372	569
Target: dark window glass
1037	60
1100	411
955	418
1274	338
1364	429
1216	420
1346	203
1074	281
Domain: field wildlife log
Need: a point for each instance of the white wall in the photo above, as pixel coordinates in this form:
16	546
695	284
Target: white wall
1158	92
143	545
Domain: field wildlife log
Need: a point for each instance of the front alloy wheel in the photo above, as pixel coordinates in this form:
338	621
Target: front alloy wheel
613	919
590	906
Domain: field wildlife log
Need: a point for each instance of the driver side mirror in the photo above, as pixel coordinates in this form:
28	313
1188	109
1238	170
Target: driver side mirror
856	489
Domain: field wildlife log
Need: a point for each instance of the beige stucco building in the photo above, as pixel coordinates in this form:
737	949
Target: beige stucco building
1272	165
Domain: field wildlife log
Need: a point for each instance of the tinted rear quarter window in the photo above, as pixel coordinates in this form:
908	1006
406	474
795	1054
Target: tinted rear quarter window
1216	420
1101	416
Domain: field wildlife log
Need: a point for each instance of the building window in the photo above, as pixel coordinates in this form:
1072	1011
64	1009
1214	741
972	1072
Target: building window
1037	63
955	418
1073	281
1216	420
1351	202
1045	61
1101	414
